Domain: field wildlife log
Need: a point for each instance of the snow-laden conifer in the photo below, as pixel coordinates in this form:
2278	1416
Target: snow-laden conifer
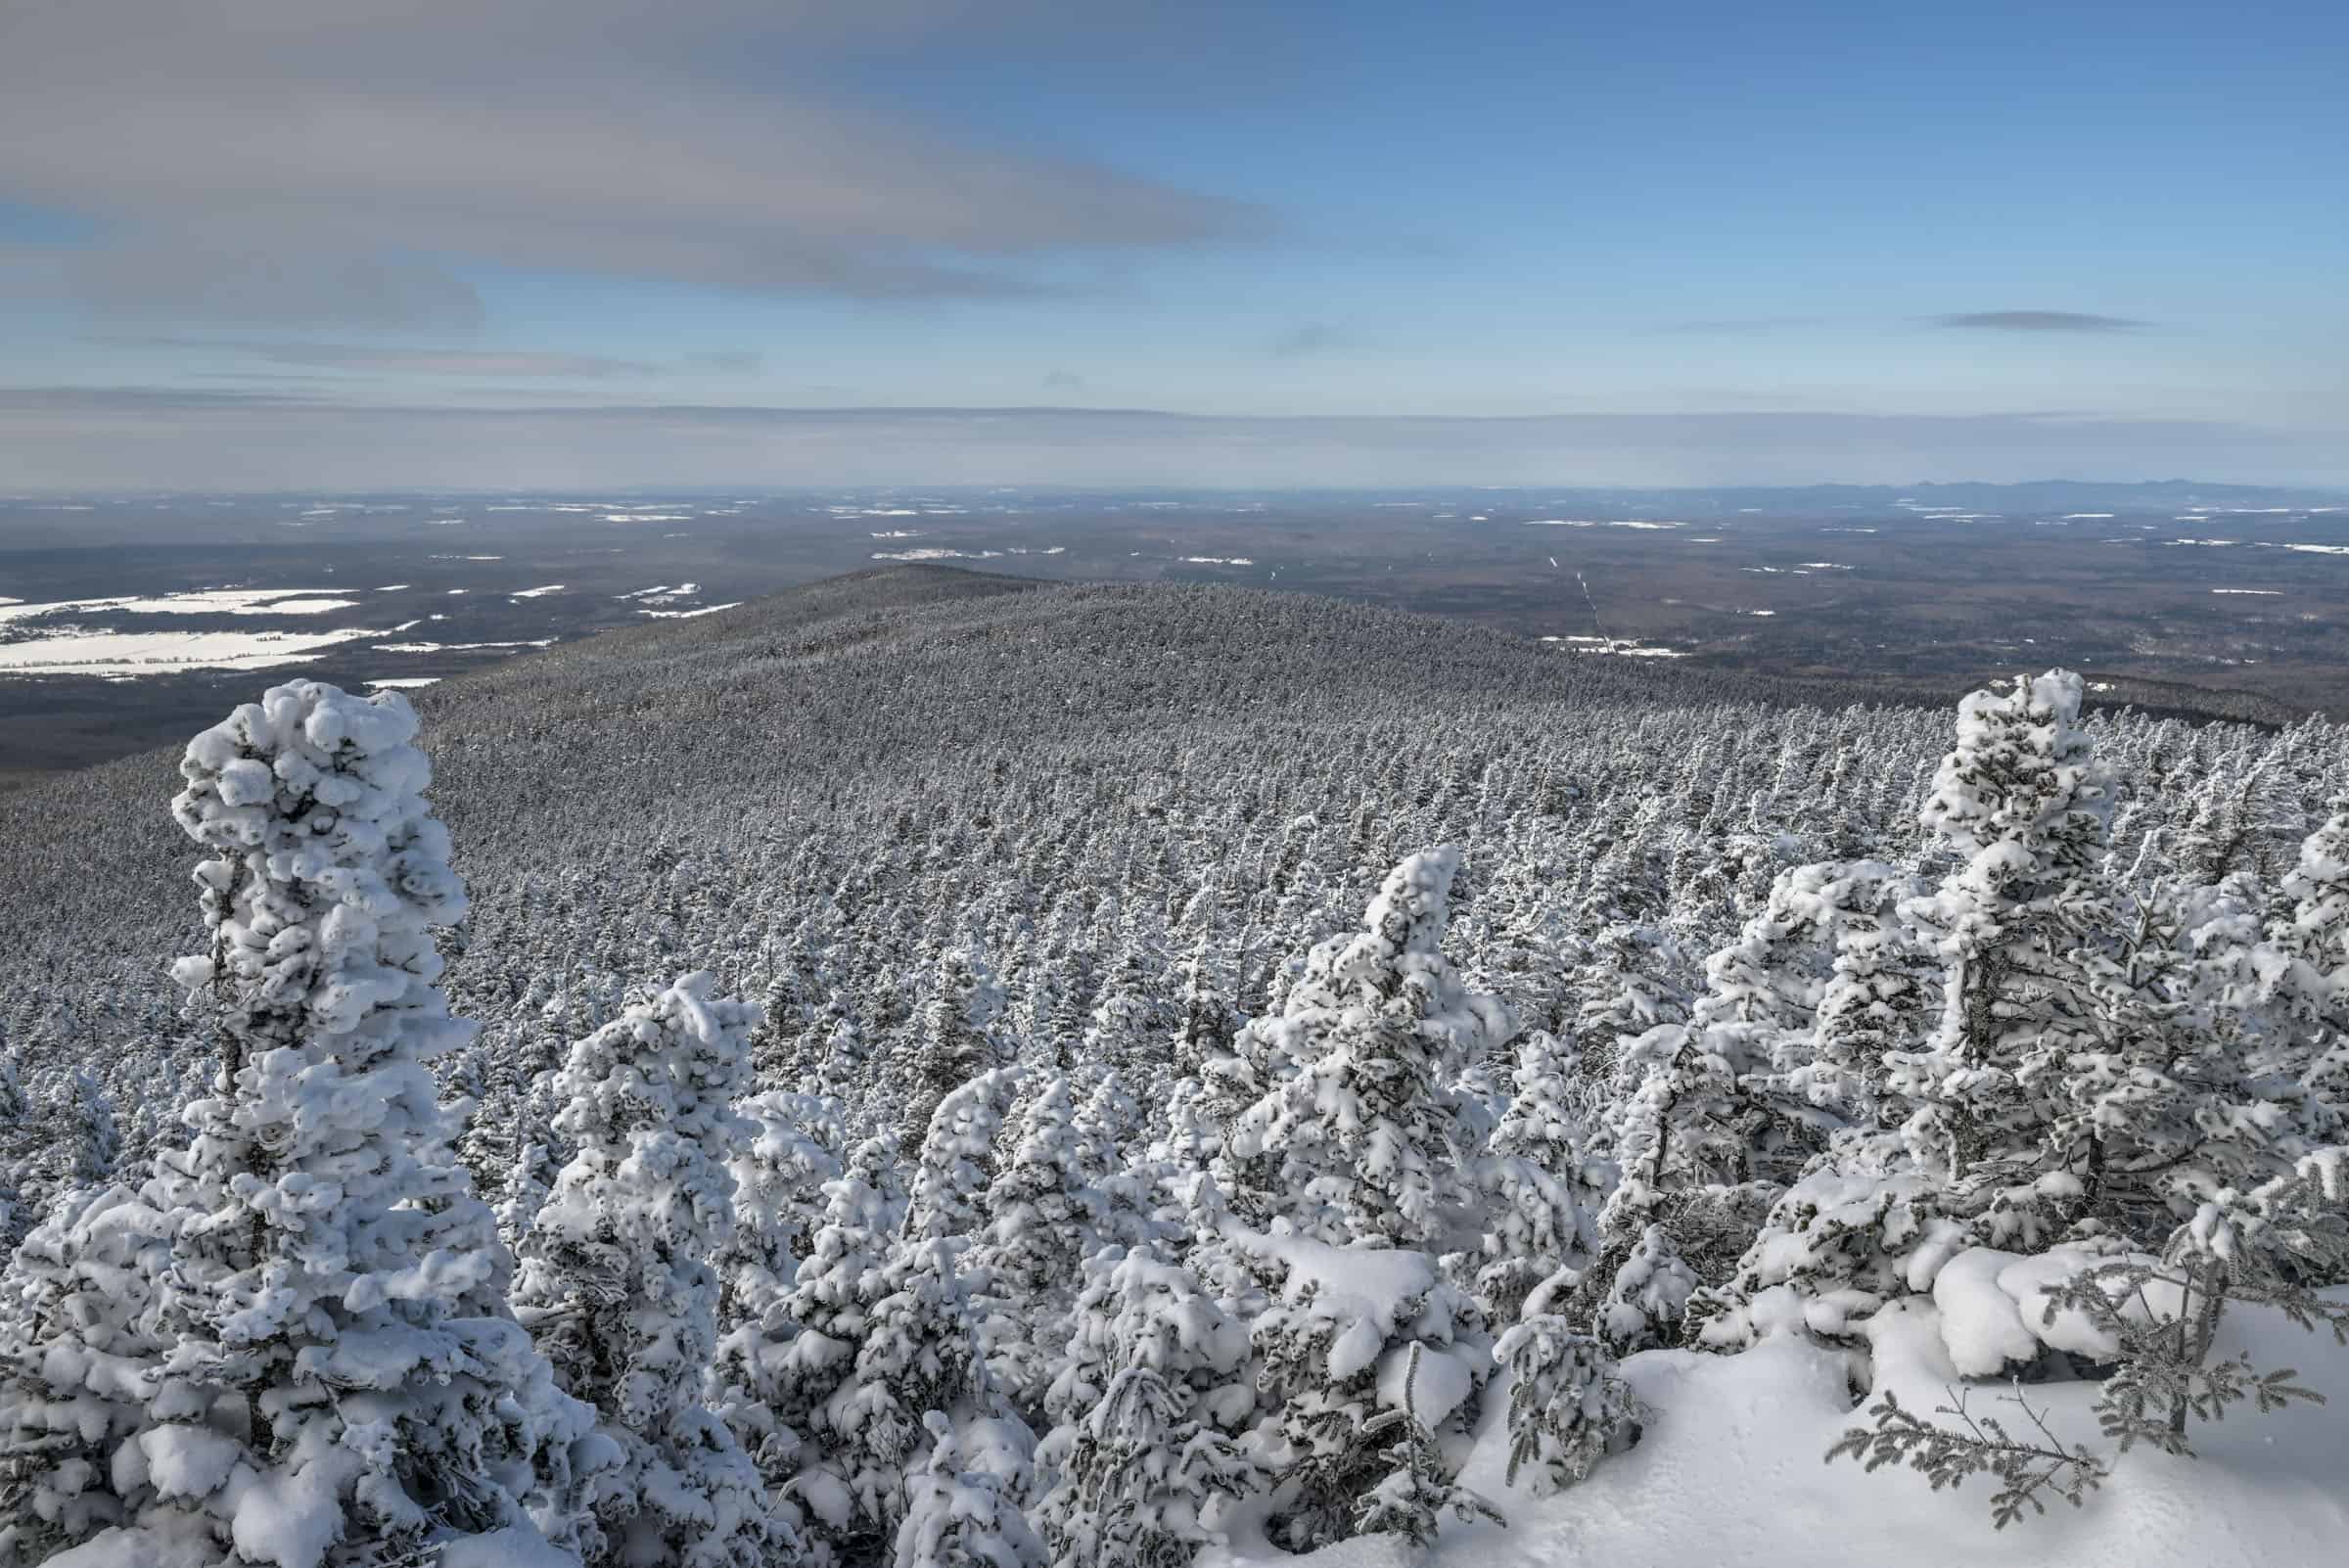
1543	1190
957	1155
2023	802
1366	1138
959	1515
326	1370
1566	1403
1146	1461
616	1285
1042	1218
789	1378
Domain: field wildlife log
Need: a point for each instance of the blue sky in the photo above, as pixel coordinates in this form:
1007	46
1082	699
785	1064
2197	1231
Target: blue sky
253	241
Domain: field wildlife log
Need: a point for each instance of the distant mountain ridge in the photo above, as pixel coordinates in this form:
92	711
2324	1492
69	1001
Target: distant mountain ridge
2034	494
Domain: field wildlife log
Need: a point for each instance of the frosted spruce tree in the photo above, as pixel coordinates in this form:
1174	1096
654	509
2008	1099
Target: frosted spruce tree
324	1370
2304	963
951	1175
1367	1140
1144	1461
779	1173
1360	1158
961	1514
1970	1131
1542	1191
1042	1218
790	1380
2023	803
956	1038
1566	1403
617	1283
80	1345
1875	999
916	1374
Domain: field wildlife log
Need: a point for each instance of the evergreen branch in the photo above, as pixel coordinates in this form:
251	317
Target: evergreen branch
1946	1457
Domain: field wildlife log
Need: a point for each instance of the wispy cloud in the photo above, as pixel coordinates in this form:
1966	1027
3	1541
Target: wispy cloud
512	364
181	274
2039	321
277	162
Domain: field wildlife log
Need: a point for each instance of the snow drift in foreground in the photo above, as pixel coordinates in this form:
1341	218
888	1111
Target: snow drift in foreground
1729	1472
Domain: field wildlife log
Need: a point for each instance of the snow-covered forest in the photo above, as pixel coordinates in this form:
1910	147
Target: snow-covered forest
916	1073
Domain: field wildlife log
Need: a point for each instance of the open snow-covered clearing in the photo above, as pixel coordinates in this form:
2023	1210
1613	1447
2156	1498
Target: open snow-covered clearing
1611	645
688	614
453	647
160	653
199	602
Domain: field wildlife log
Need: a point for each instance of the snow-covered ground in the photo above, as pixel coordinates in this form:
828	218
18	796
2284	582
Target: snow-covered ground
154	653
203	602
688	614
1730	1474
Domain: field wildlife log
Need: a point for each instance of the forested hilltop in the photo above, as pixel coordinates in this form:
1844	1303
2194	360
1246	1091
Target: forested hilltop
931	1070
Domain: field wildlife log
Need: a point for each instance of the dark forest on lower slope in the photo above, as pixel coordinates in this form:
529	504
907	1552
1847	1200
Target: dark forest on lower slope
1170	1061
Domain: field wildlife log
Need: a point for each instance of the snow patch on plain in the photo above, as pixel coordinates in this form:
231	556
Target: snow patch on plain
199	602
688	614
120	654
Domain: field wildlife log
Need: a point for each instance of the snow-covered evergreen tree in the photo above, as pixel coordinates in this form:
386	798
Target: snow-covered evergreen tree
1875	998
779	1173
1543	1190
2305	962
1145	1460
616	1285
2023	803
959	1515
788	1381
956	1039
1348	1334
957	1153
1366	1137
326	1371
1042	1219
1566	1404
